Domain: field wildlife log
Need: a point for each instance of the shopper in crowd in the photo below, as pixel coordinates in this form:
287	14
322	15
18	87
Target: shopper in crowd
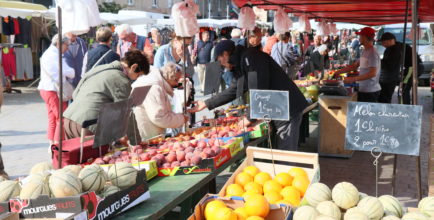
204	48
74	56
103	84
265	35
3	173
129	40
354	48
155	114
173	52
369	66
273	39
236	36
102	54
49	85
284	55
254	69
316	58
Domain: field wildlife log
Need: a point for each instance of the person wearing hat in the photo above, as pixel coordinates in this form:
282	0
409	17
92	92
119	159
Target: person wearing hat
369	66
390	66
254	69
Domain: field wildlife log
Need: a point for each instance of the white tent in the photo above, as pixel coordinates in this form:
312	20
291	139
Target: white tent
124	19
21	9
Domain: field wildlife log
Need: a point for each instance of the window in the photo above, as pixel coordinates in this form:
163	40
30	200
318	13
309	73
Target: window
130	2
154	3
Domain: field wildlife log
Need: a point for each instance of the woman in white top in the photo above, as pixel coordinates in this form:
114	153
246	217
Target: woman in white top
155	114
50	82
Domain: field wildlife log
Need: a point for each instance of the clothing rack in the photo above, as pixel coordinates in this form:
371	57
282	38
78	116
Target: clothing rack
10	89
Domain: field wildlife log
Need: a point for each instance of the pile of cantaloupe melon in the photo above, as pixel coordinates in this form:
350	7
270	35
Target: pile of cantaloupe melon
69	181
345	202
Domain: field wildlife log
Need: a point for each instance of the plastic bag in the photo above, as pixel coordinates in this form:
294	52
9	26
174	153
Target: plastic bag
184	17
304	24
333	29
323	28
247	18
282	22
78	16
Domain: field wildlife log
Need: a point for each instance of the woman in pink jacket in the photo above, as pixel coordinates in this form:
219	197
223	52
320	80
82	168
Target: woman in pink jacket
155	114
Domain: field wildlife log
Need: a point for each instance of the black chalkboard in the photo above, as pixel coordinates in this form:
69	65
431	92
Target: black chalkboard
272	104
393	128
213	74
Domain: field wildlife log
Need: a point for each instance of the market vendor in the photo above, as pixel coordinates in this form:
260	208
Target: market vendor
103	84
155	114
369	66
254	69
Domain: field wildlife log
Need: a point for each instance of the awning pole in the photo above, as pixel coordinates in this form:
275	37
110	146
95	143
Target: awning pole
402	67
60	96
414	26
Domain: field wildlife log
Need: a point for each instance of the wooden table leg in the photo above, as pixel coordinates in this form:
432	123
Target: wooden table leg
212	186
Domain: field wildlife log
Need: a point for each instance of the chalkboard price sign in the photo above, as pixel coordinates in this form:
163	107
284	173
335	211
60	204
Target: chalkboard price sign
391	127
269	104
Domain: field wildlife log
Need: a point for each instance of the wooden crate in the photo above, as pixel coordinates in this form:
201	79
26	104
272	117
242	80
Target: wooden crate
283	161
332	126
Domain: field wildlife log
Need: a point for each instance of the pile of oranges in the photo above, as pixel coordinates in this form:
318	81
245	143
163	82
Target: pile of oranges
255	208
285	188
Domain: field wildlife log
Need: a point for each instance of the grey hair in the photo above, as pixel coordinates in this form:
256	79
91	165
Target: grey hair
236	32
123	27
170	70
55	39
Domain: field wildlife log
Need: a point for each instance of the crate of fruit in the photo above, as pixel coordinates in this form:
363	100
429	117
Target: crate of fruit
215	207
259	130
283	182
195	156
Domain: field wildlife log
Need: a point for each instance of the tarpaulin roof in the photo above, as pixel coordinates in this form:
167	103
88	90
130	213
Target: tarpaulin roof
21	9
366	12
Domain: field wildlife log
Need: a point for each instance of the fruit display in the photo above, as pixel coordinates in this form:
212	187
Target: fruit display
63	184
285	188
9	189
122	175
93	178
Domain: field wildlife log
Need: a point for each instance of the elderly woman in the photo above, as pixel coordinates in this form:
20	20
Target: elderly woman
155	114
49	84
103	84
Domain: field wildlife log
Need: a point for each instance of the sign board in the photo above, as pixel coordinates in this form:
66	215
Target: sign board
112	122
270	103
213	74
393	128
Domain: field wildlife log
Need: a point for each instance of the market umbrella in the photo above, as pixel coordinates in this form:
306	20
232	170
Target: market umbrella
21	9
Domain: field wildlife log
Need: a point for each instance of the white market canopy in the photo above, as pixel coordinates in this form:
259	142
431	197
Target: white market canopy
214	23
21	9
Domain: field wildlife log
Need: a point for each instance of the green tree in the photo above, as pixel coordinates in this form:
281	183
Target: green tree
110	7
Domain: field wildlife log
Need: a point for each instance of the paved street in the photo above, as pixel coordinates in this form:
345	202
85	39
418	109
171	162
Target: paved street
23	124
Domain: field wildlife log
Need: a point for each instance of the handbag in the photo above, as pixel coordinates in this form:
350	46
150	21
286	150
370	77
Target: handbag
68	89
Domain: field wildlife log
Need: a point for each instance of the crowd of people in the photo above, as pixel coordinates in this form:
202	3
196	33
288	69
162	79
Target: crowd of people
257	59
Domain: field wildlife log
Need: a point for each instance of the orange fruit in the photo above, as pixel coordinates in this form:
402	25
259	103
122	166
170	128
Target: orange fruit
253	186
301	184
254	218
249	193
297	171
291	194
261	178
284	179
241	213
225	214
273	196
212	207
243	178
234	190
252	170
272	185
257	205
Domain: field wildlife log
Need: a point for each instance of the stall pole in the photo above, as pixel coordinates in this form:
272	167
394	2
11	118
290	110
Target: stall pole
402	68
227	9
414	26
60	94
184	69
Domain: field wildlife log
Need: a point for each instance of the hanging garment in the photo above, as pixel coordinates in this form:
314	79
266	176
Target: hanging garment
79	15
24	63
9	63
16	26
25	36
8	26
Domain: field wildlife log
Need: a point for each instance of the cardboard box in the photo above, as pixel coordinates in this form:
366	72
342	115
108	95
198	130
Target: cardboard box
260	130
97	208
4	207
276	212
9	216
283	161
207	165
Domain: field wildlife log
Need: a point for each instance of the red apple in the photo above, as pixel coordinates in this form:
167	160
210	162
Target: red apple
189	149
106	159
171	157
189	155
180	156
201	144
175	164
204	155
193	143
98	161
166	165
145	157
185	164
196	160
124	153
152	152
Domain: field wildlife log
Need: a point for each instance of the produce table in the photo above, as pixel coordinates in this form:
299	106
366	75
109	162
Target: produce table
185	191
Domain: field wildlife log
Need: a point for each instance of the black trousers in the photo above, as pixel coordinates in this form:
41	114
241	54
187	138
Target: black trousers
406	89
386	93
368	96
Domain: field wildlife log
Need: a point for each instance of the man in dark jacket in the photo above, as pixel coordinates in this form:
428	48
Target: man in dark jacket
102	54
204	47
390	66
254	69
316	59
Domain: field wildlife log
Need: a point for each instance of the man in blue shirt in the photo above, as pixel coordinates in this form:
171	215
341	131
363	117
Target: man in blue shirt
204	48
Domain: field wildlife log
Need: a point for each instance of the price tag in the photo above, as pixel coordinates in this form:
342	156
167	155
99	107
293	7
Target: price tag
270	104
